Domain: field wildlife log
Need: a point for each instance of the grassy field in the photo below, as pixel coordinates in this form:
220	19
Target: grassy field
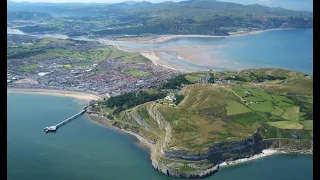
138	73
294	86
194	77
286	124
308	124
248	118
30	67
67	66
265	106
282	98
236	108
278	111
291	113
239	90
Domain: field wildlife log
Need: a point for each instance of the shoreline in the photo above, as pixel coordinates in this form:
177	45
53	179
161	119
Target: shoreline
103	121
163	38
158	60
62	93
265	152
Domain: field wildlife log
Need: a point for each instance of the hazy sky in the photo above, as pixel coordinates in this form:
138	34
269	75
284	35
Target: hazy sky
289	4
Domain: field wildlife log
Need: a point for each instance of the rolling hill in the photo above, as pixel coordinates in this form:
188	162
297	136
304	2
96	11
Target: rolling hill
238	116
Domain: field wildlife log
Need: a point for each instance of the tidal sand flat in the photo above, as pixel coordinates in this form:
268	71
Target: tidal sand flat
163	38
291	49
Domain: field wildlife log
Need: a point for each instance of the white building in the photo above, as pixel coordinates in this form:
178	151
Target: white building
43	73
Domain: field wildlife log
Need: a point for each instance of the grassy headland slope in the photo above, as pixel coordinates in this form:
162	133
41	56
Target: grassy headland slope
237	117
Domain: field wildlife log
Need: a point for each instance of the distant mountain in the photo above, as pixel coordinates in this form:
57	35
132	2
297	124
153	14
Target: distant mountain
27	15
186	17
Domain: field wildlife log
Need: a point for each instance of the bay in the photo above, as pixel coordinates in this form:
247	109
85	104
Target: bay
288	49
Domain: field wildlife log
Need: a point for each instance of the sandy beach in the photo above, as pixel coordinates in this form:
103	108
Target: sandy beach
243	33
77	95
266	152
160	39
157	60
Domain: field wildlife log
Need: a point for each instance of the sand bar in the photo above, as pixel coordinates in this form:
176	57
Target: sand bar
159	39
77	95
157	60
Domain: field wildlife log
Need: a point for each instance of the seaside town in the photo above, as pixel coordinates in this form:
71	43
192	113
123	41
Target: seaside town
55	69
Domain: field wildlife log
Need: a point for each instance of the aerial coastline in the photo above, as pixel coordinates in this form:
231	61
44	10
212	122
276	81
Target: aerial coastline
182	88
158	60
166	157
104	121
95	76
63	93
164	38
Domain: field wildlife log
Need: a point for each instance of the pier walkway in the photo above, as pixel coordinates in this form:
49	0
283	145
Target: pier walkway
55	127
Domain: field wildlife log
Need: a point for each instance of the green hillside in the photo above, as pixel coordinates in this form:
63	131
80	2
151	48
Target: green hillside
218	116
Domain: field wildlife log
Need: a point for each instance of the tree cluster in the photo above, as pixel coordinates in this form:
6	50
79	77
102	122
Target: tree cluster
179	98
175	82
132	99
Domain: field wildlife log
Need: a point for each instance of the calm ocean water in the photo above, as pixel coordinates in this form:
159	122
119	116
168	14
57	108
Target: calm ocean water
83	150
